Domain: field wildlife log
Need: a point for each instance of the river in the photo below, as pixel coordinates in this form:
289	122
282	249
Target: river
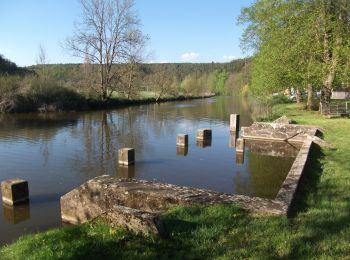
57	152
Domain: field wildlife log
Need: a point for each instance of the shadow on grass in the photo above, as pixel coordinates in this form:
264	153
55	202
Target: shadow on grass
309	181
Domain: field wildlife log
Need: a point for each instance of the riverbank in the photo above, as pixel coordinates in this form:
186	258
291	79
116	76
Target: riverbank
319	229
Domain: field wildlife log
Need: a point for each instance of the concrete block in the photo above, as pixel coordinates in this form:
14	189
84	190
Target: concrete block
182	140
126	156
234	122
204	134
14	191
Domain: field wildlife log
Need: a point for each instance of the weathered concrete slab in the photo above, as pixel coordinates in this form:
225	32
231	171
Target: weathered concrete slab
134	220
278	132
102	193
273	148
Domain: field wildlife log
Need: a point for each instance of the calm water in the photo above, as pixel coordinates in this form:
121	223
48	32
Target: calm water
58	152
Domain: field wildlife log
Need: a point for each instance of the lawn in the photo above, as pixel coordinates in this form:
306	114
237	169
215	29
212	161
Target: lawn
320	227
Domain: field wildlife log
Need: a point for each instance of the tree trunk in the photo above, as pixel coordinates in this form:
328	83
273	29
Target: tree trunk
326	93
310	94
298	96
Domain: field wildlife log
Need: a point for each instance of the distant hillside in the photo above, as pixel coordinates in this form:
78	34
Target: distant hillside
67	72
8	67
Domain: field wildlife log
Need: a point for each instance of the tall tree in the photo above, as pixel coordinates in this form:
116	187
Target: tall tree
109	29
297	44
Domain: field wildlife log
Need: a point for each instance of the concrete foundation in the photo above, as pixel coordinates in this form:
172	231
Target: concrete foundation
126	156
14	191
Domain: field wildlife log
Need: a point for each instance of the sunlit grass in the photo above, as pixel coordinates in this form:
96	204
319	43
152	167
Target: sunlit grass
320	227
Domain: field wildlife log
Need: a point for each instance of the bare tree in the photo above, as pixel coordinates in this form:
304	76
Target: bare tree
42	61
109	29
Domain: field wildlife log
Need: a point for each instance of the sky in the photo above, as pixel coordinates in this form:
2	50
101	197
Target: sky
179	30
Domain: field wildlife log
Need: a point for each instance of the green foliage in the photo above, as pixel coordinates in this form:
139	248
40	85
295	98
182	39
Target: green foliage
8	67
297	43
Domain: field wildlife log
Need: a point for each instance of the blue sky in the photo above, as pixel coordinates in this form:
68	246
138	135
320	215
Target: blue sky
179	30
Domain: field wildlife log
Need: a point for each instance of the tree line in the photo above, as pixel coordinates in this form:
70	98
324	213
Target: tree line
303	45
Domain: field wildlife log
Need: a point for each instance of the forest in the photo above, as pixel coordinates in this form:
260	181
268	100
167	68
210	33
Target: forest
58	87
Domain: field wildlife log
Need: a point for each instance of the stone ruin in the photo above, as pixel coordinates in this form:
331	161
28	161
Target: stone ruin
137	204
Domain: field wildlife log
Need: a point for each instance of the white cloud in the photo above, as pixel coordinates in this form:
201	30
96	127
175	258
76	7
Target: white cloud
190	56
228	57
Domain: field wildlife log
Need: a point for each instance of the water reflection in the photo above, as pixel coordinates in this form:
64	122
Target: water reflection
126	171
240	158
16	214
182	150
203	143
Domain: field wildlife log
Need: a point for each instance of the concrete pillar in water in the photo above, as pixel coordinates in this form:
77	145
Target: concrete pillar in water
234	123
232	140
204	134
14	191
240	145
182	140
126	156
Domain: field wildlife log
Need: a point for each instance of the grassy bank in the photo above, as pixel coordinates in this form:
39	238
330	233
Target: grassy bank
319	229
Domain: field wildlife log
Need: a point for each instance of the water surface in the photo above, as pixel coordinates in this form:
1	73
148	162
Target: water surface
57	152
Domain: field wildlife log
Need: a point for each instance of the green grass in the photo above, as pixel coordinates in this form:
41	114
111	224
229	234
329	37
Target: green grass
319	228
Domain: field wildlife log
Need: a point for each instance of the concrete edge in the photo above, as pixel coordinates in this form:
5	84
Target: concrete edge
290	185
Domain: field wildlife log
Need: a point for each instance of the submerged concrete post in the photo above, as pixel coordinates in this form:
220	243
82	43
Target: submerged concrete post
182	140
240	145
14	191
126	171
182	150
234	122
232	139
202	143
126	156
16	214
204	134
240	158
